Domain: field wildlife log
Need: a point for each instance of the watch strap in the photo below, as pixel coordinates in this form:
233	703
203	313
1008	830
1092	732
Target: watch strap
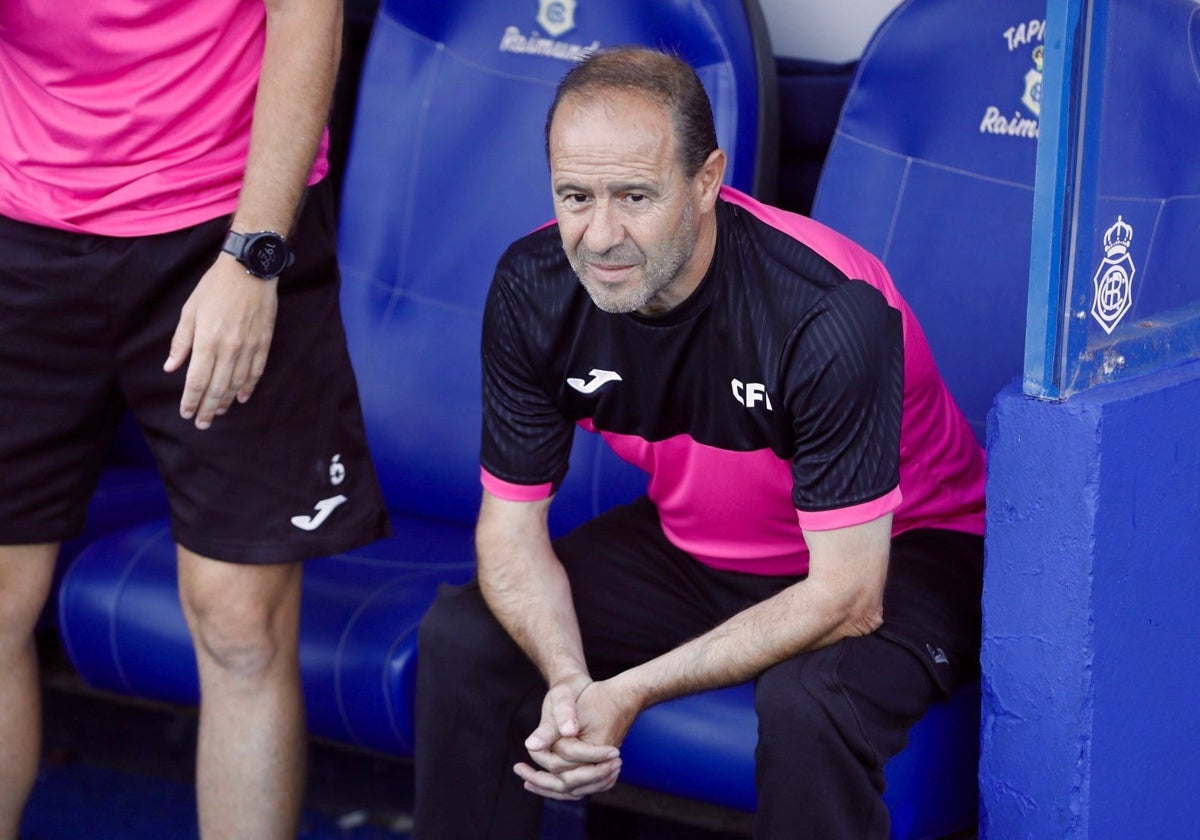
237	245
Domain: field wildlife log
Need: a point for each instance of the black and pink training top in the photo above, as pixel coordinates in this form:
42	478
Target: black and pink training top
792	390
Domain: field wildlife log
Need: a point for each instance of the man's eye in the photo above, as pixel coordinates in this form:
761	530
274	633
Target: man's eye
635	198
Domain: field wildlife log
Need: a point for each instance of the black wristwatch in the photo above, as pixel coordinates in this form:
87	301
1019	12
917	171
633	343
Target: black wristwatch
265	254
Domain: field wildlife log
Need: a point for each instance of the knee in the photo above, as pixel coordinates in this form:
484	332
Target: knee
26	575
244	639
805	708
244	620
19	612
784	702
795	703
243	648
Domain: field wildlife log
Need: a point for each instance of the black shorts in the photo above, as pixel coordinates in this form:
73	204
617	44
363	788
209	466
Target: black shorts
85	325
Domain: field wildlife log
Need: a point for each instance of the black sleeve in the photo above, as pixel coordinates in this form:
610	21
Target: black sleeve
526	438
844	389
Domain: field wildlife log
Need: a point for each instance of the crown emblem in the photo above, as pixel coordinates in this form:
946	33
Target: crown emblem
1113	282
1117	239
1039	57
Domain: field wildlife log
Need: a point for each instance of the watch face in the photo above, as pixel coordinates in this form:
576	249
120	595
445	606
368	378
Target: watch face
266	256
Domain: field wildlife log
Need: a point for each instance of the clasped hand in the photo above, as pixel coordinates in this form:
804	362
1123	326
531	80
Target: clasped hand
575	748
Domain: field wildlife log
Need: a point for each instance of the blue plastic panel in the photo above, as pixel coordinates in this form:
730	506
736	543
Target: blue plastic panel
1114	289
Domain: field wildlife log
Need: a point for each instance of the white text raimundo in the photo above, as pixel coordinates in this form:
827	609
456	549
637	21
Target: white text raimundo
533	44
1017	125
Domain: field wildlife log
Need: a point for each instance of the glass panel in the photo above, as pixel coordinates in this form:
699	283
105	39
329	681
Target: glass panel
1115	271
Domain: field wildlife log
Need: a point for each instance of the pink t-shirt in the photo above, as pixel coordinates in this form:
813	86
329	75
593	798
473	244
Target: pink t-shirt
127	117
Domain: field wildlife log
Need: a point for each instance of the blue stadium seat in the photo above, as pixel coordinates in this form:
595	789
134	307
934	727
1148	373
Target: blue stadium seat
934	174
446	168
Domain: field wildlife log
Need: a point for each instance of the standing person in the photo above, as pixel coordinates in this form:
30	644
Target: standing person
815	500
154	159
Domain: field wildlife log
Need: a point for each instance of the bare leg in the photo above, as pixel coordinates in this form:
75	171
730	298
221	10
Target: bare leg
250	764
26	572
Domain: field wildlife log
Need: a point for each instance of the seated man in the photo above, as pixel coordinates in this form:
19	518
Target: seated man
815	506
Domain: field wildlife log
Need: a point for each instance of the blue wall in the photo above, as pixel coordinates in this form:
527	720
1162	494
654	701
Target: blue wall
1091	649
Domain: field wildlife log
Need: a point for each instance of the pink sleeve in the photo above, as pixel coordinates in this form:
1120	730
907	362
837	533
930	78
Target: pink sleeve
514	492
828	520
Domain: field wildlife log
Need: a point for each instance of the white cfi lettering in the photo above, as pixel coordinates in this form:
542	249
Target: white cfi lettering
750	394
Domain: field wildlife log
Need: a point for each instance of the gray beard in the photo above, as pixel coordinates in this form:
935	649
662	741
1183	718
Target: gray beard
658	273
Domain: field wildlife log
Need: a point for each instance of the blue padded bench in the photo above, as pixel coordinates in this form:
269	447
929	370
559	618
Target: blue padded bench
445	169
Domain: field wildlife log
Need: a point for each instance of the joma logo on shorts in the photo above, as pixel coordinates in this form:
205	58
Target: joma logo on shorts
317	519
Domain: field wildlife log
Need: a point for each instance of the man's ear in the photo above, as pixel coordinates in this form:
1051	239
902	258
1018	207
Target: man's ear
707	182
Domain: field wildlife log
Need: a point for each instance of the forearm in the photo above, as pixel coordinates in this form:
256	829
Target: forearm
527	590
793	621
295	90
842	597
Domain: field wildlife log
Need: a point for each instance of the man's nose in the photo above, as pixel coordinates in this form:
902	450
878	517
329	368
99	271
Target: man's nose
604	230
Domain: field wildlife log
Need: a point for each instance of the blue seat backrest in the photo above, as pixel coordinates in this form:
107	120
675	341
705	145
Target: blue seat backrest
932	169
447	167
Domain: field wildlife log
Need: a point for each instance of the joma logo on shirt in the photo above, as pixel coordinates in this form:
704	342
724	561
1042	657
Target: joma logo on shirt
750	393
598	380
